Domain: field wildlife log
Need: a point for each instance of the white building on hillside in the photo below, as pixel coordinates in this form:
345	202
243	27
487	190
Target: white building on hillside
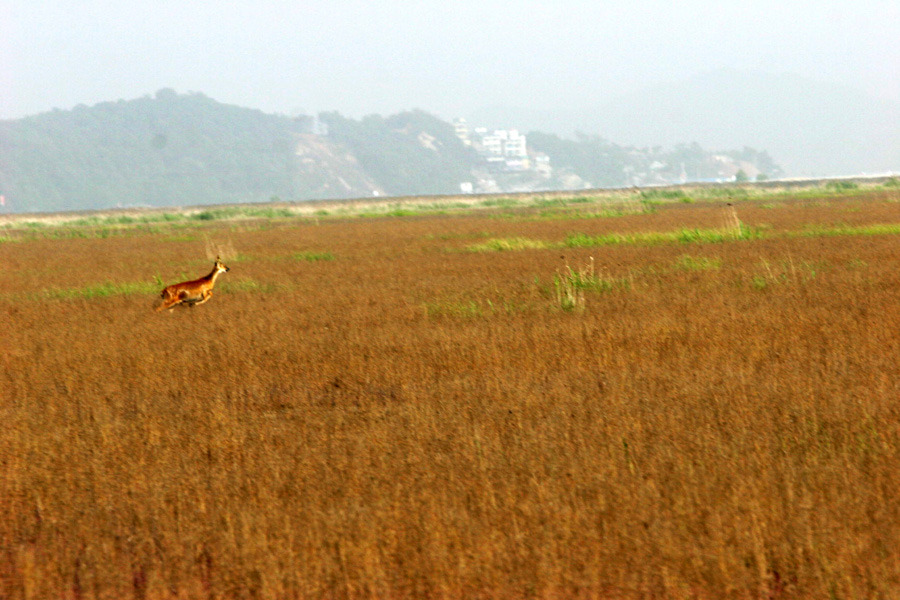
462	131
508	143
506	149
514	145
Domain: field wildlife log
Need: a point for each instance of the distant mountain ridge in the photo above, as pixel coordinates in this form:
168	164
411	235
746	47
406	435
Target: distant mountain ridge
168	150
187	149
809	128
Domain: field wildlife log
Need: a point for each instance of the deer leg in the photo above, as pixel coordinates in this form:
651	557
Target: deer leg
205	298
164	305
169	301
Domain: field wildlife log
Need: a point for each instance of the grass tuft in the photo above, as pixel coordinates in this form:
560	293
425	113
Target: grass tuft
507	244
687	262
786	271
570	285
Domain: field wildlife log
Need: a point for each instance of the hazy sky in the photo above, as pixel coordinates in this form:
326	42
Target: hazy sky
449	58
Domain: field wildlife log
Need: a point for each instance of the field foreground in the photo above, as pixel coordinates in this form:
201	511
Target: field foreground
567	401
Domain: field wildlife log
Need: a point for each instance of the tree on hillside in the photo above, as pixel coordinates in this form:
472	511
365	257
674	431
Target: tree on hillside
411	153
165	150
591	157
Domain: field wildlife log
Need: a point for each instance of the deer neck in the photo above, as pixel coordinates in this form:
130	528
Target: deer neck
212	276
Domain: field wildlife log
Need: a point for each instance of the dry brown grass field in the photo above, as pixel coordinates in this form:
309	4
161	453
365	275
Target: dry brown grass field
397	407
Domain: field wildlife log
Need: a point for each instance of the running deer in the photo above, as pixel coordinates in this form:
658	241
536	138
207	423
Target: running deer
191	293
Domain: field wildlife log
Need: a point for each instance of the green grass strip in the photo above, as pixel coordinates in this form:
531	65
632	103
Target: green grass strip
109	289
653	238
312	256
102	290
840	230
681	236
515	243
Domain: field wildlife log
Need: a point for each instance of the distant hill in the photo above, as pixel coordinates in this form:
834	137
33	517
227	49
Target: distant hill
408	154
809	128
187	149
166	150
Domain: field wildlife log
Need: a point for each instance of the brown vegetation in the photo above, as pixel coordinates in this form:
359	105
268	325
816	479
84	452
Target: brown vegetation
412	419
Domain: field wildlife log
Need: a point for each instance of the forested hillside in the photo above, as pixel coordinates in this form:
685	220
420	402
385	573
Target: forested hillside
187	149
167	150
410	153
175	150
610	165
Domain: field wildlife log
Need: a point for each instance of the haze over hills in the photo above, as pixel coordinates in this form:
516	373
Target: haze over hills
187	149
184	149
809	128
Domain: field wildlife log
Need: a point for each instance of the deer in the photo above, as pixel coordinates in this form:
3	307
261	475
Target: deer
191	293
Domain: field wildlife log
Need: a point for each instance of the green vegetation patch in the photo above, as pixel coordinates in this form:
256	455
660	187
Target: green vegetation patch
661	195
686	262
145	288
741	232
103	290
842	186
570	285
500	203
312	256
138	219
514	243
785	271
652	238
862	230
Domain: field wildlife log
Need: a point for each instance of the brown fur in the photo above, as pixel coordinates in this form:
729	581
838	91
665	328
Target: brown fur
192	292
